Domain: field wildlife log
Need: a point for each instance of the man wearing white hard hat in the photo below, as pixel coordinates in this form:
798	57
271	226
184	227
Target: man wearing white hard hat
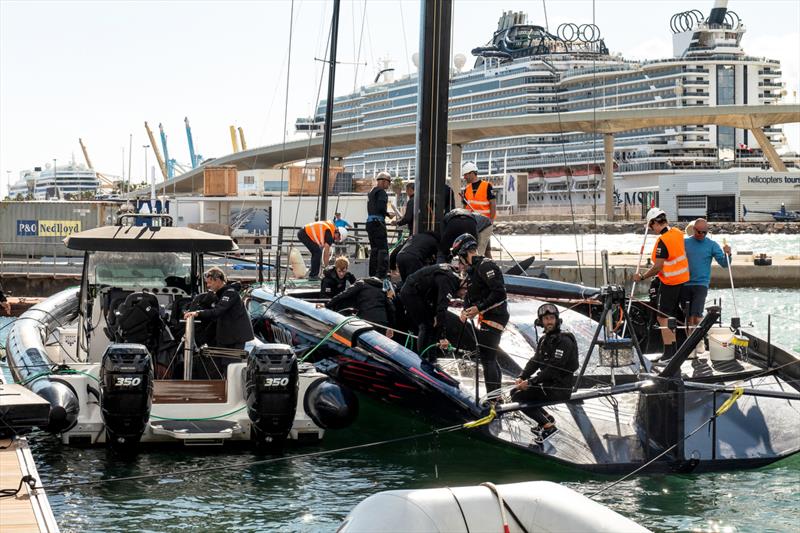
377	211
479	198
671	267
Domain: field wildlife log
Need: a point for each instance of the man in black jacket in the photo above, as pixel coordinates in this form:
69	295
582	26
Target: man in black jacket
233	322
336	277
377	204
486	299
368	298
556	359
426	296
418	251
456	222
408	215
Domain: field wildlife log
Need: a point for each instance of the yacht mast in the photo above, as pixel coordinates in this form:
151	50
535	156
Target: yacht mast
432	99
326	140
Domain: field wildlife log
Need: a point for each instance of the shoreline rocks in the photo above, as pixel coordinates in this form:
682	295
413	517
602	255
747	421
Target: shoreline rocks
522	227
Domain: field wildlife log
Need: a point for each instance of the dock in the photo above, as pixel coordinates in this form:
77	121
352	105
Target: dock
28	510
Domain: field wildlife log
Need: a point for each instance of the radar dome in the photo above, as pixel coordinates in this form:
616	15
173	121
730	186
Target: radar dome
415	59
459	60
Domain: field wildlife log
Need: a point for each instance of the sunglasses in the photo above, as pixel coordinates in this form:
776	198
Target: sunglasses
701	232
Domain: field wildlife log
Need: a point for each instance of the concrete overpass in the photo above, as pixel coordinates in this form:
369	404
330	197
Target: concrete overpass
461	132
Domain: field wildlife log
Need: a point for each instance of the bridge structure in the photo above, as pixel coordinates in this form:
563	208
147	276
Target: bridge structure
607	123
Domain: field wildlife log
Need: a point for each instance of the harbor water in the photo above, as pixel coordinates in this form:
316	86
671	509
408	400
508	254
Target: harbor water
315	493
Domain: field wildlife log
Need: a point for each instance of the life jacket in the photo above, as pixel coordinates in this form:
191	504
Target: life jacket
676	265
316	231
478	202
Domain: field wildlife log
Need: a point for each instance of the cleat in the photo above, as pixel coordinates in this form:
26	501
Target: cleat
546	433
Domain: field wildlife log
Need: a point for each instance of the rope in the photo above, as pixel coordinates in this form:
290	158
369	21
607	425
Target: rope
28	480
199	419
246	464
720	411
328	336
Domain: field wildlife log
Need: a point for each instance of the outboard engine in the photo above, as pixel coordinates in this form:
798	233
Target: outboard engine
330	405
271	392
126	392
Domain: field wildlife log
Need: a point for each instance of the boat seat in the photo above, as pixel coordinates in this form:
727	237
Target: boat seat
137	319
110	304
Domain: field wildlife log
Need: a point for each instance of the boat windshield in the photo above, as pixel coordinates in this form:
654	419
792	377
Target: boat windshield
123	269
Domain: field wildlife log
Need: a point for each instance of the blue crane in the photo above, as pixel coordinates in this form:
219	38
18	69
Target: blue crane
170	162
194	158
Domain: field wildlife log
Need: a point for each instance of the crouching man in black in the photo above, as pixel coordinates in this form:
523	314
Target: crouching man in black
371	302
233	327
556	359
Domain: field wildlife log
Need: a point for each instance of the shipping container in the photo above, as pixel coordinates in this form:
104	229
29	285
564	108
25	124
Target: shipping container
220	181
38	228
305	181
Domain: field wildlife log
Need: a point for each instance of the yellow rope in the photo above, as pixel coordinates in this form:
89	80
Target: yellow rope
737	393
481	421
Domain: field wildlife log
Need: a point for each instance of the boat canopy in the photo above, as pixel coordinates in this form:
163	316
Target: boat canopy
149	239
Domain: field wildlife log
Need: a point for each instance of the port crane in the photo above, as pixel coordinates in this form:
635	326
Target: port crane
195	158
105	181
235	140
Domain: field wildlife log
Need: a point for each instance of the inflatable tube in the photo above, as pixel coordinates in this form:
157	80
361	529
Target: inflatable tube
29	361
529	506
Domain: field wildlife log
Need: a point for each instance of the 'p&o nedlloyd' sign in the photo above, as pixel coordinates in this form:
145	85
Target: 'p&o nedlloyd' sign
47	228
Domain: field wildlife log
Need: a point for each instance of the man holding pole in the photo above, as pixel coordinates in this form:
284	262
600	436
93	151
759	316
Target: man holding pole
699	251
671	267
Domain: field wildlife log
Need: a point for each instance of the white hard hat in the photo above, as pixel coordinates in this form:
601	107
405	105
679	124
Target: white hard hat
342	233
383	175
469	167
654	213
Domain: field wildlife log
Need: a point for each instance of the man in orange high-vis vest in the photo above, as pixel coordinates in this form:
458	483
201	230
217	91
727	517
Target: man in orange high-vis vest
672	268
318	238
479	198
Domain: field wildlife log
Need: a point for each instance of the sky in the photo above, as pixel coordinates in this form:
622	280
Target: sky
97	70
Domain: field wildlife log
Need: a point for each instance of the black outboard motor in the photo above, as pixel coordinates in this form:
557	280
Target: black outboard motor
271	392
126	392
330	405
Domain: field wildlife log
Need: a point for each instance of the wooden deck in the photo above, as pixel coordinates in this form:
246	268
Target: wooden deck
29	510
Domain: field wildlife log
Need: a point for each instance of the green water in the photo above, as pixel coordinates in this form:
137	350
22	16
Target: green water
314	494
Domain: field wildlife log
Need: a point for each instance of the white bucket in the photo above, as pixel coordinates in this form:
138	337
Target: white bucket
721	347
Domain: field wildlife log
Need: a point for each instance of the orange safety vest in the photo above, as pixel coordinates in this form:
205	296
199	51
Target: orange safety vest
478	202
676	265
316	231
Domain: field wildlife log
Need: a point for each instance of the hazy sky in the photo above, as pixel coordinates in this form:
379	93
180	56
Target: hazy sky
99	69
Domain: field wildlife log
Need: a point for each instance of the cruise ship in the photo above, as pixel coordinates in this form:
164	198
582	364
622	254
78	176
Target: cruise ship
62	182
525	68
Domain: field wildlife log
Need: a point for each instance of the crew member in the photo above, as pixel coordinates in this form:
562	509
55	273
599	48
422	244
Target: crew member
479	198
5	305
456	222
426	295
700	249
408	215
418	251
318	238
339	222
556	359
377	203
336	277
486	299
233	327
371	302
672	268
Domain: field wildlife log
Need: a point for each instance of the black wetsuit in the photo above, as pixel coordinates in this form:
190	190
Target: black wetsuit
377	202
367	297
456	222
332	284
487	291
418	251
408	216
233	322
556	359
426	296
